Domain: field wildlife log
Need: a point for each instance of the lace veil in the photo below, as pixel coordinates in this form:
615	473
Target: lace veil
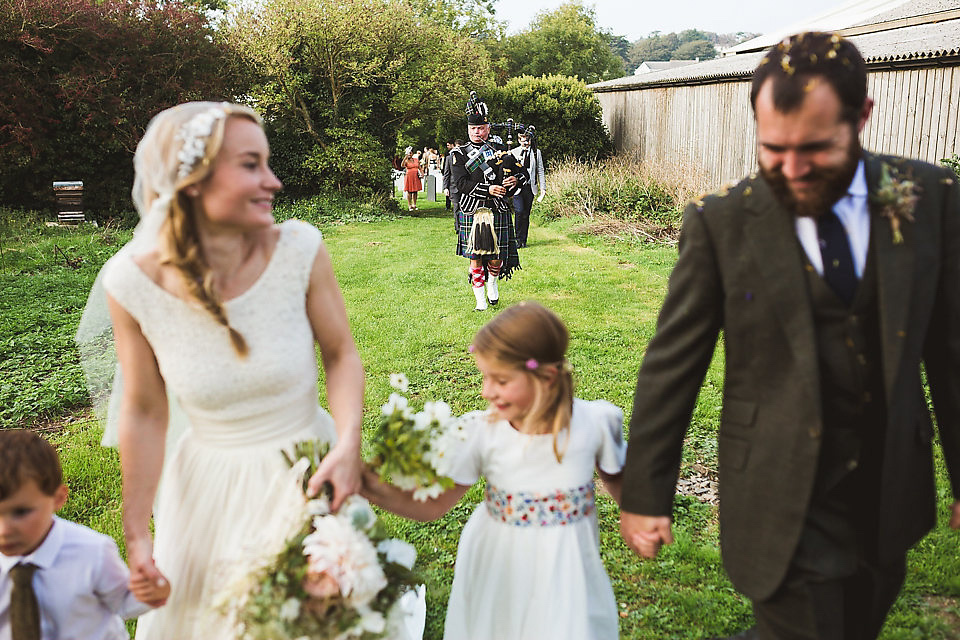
175	152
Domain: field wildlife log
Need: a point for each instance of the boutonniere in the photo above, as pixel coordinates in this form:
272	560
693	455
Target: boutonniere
895	198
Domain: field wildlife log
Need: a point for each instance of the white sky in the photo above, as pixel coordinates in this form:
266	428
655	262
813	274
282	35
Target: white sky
636	19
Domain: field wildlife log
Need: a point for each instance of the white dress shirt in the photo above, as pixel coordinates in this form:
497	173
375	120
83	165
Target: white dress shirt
854	214
81	586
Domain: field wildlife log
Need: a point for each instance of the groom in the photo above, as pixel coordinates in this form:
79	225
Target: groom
833	275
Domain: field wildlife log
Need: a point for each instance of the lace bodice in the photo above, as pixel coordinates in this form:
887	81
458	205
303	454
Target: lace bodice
229	398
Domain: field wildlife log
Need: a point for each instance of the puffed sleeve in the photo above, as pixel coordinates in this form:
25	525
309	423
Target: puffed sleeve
469	464
608	419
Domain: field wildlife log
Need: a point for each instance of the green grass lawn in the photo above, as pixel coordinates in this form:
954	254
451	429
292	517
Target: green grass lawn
410	310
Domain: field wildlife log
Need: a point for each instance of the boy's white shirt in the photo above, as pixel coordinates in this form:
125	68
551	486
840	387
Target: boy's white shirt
81	586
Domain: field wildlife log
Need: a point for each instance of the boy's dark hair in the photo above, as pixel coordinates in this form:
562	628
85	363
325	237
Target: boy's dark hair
25	456
793	62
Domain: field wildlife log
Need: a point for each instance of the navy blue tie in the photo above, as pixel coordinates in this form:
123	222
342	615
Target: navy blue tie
838	268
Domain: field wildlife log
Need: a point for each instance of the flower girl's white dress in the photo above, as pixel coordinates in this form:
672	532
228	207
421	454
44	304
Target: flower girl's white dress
226	485
528	564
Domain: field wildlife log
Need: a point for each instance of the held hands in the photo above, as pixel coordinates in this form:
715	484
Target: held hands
151	592
645	534
497	191
147	584
510	183
341	468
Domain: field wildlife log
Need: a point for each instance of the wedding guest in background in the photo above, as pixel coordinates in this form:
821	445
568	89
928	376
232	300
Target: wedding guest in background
445	171
58	579
449	187
412	184
533	544
218	310
530	158
834	275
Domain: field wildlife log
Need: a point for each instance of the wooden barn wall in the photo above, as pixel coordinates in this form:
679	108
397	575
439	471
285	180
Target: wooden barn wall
711	125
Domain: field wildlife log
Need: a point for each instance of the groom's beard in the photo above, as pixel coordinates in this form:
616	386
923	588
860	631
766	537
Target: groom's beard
833	183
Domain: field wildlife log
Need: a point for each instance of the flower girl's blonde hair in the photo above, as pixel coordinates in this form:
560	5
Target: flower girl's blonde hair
533	339
176	152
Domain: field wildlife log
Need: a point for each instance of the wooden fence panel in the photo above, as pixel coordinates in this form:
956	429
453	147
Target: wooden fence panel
711	125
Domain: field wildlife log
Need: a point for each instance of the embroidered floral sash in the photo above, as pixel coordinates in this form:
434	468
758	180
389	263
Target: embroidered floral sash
540	509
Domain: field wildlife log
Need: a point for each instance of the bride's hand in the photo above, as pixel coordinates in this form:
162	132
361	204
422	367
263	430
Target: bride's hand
342	468
143	570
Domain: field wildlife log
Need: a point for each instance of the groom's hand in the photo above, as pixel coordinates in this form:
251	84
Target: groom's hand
645	534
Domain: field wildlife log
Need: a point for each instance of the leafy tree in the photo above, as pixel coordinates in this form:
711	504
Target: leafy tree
82	80
565	41
656	47
339	78
621	47
695	49
473	18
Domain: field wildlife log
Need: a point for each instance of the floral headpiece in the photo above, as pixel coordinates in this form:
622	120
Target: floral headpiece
195	133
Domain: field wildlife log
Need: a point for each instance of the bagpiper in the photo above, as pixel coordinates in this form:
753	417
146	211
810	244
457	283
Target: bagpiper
487	176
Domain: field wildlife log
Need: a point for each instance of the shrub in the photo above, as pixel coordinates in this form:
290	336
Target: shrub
952	162
621	195
337	209
82	78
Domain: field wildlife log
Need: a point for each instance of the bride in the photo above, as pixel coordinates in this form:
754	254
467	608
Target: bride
219	309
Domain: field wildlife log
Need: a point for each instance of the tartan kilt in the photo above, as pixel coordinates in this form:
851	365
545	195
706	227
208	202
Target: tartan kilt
503	225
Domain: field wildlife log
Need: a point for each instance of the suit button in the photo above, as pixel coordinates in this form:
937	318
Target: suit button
862	359
814	432
852	464
850	342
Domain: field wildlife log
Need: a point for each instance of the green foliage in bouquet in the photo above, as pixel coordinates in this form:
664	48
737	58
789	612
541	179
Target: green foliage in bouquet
415	451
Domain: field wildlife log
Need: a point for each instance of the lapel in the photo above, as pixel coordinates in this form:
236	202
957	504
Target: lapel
772	239
894	278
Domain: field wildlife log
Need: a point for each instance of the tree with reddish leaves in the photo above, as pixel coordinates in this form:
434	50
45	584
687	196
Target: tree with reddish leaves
81	80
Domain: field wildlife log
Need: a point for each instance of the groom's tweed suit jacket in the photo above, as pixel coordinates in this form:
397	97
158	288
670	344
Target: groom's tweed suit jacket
742	270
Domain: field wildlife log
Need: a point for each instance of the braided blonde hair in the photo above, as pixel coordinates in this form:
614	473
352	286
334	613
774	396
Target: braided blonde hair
177	151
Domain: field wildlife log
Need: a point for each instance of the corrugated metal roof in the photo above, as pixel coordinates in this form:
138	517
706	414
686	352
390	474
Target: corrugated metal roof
922	42
854	12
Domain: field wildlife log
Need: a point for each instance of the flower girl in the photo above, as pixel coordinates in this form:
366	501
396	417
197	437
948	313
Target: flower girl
528	563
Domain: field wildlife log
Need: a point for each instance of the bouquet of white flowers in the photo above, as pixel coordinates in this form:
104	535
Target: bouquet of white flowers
338	578
416	450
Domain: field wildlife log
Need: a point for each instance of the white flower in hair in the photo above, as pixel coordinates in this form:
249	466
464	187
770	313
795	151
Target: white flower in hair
194	134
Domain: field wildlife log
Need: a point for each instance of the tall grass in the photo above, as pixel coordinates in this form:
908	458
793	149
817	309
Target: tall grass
623	195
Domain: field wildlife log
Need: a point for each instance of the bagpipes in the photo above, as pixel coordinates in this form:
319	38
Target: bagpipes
509	127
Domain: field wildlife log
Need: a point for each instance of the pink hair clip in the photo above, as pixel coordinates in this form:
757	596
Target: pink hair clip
471	348
531	364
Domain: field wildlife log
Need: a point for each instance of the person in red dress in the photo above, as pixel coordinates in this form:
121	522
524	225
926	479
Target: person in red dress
411	183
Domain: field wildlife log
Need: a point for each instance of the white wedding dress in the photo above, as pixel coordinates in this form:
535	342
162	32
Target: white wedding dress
528	563
226	487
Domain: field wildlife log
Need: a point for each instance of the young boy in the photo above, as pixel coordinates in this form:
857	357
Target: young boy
58	579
